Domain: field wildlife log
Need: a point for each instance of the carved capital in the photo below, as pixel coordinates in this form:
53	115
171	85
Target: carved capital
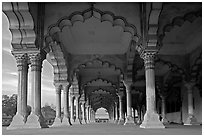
127	85
148	57
77	96
36	61
66	87
120	95
189	86
58	88
22	62
82	102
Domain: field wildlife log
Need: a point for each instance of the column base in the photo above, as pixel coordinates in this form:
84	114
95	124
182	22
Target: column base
111	121
116	121
151	120
87	121
76	122
164	120
66	121
18	121
57	122
83	121
191	120
121	121
35	121
129	121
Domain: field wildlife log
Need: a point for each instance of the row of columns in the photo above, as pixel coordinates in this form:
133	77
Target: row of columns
35	119
87	114
191	119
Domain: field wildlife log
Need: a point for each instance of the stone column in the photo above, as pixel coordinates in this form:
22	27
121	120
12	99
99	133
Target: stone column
66	118
116	112
151	118
77	120
94	116
91	115
20	118
191	120
58	119
164	119
83	120
72	108
129	119
35	119
121	115
87	114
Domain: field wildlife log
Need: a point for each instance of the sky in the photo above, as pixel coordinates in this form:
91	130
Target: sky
10	73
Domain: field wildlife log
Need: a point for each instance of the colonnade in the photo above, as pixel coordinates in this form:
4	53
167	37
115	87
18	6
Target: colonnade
36	120
80	112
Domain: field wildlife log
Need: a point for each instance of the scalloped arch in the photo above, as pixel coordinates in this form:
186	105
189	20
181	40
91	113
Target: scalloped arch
21	24
99	80
102	63
58	62
173	67
179	21
86	14
196	68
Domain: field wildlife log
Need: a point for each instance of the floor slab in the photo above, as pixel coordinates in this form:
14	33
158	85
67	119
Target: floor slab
108	129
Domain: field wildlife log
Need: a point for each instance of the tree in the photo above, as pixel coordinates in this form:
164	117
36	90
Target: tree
48	112
9	105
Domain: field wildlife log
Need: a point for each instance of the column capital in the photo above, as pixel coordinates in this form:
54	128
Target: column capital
120	96
148	56
127	85
21	60
36	61
163	97
189	85
82	102
58	88
77	96
65	87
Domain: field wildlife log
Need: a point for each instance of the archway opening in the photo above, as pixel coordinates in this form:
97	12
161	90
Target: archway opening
101	115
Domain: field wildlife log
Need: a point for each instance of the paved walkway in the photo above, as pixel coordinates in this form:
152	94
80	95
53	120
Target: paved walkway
107	129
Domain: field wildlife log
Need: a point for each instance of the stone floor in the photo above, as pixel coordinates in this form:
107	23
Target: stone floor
108	129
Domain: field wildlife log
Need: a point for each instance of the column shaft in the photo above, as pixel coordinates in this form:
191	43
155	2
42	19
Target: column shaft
83	113
129	119
87	114
121	116
66	118
58	102
190	102
20	118
77	120
116	112
151	118
36	120
72	108
164	120
66	104
191	120
58	119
